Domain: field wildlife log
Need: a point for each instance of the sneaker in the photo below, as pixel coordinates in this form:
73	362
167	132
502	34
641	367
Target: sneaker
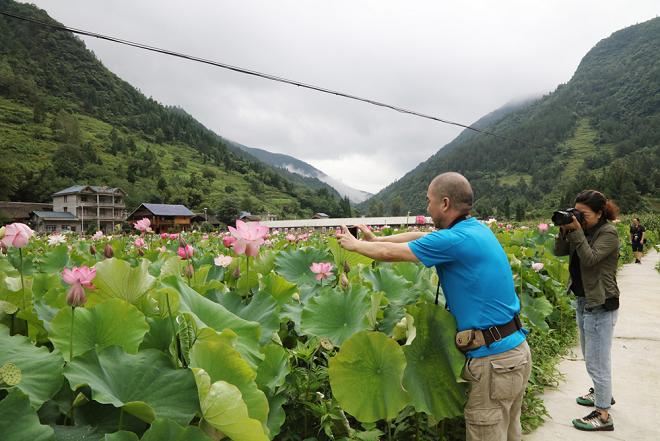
593	422
588	399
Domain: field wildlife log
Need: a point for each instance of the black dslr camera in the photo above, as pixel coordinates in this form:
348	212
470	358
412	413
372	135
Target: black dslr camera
565	217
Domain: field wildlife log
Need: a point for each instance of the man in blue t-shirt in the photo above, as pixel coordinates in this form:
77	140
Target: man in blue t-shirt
478	287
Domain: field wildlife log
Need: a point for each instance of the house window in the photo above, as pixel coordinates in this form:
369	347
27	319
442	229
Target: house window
50	228
64	198
65	209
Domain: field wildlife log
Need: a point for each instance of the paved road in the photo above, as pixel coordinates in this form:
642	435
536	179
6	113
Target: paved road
636	368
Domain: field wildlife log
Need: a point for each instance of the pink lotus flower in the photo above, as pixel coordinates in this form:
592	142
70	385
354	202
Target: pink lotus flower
98	235
186	252
537	266
543	228
17	235
139	242
162	249
174	236
249	237
79	275
323	270
164	236
222	261
143	225
420	220
290	237
228	241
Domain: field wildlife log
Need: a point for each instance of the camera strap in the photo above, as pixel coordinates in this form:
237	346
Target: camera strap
437	291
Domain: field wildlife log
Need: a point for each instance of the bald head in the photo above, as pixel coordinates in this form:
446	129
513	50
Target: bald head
456	188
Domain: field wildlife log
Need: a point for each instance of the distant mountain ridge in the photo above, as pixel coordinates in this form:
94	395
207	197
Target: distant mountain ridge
599	130
302	168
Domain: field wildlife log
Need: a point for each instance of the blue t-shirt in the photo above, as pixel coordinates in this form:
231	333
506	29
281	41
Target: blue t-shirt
476	279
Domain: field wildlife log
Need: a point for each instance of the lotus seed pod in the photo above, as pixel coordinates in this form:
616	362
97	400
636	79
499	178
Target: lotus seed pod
10	374
327	344
296	297
140	252
92	250
347	267
190	271
108	252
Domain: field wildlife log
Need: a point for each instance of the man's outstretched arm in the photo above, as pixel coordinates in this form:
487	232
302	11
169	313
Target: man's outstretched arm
383	251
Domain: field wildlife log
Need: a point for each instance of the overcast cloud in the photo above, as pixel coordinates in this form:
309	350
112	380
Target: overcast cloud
457	60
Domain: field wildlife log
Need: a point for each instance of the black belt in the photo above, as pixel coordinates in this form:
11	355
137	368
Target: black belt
497	333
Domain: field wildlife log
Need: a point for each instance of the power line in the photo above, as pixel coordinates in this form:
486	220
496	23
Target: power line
254	73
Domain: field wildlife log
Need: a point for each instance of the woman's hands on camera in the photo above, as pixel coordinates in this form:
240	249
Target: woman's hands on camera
573	226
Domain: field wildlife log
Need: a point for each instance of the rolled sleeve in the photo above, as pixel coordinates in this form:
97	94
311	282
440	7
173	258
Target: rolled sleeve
435	248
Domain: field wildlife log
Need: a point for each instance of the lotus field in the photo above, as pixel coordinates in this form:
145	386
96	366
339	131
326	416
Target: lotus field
250	335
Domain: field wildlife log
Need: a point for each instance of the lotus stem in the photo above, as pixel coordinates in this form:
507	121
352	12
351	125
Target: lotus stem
20	270
73	312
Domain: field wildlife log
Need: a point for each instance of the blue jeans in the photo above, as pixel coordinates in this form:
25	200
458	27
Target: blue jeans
596	329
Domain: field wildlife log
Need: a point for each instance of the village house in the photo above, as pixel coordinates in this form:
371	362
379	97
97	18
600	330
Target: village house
164	217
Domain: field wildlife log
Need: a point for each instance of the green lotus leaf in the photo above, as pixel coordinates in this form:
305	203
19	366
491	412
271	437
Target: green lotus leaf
366	377
276	415
117	279
168	430
224	409
41	370
19	421
536	309
159	335
216	355
272	371
78	433
212	315
397	289
294	265
55	260
434	364
337	315
278	287
145	384
262	308
122	435
97	327
342	255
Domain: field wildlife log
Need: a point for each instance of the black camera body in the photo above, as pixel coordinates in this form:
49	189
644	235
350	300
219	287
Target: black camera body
565	217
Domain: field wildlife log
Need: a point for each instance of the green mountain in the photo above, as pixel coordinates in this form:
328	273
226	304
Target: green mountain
66	119
600	130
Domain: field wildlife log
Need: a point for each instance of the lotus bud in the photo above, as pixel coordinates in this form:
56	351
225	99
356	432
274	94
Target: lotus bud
347	267
107	251
237	273
343	280
76	295
190	270
296	297
92	250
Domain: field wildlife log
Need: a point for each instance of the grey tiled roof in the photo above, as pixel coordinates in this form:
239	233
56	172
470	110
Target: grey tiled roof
168	210
55	215
95	188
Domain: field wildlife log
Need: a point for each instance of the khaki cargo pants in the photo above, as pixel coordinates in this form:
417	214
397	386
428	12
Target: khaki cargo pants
497	386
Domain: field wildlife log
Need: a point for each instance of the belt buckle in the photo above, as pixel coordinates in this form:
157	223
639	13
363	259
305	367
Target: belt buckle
490	330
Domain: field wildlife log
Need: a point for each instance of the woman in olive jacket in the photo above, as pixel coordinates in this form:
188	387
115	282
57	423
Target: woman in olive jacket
593	247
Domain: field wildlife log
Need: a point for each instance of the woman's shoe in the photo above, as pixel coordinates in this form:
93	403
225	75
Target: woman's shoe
593	422
588	399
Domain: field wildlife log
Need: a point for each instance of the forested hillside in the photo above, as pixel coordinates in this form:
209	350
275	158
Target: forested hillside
600	130
66	119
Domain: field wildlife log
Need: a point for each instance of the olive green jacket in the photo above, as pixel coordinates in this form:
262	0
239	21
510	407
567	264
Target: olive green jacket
598	261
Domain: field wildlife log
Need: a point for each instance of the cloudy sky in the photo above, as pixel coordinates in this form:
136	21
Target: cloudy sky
453	59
